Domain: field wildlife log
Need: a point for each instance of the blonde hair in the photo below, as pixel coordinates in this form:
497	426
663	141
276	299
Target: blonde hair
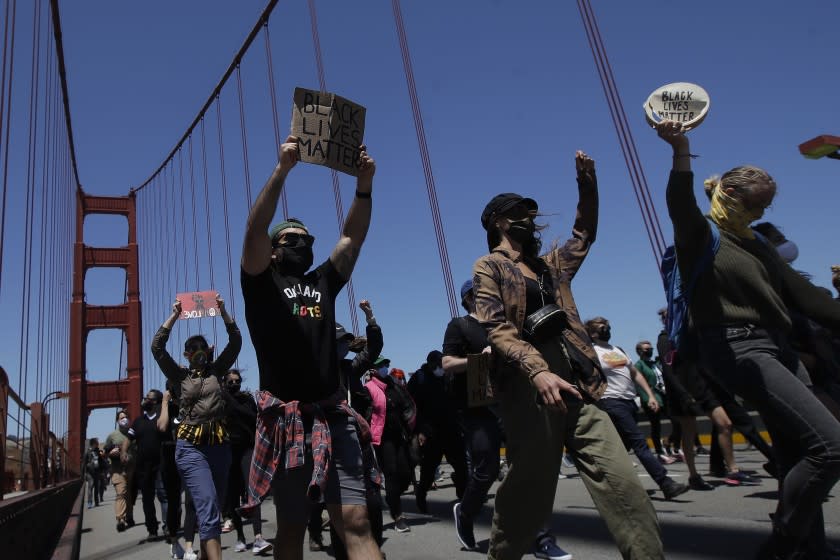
743	178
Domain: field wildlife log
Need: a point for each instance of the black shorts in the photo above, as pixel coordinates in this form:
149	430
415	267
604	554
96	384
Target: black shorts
696	397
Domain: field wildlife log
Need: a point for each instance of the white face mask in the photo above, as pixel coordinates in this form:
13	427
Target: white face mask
123	422
438	371
382	372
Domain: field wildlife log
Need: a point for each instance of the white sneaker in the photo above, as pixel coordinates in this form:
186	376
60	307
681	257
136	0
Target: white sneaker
227	526
176	551
240	547
261	545
190	555
567	462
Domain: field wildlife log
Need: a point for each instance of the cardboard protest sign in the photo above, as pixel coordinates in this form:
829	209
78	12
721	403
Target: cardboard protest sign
479	390
681	102
197	305
329	128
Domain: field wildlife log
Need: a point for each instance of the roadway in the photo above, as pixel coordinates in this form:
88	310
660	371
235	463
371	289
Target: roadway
727	523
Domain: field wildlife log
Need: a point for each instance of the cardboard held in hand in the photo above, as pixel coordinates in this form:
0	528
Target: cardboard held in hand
681	102
197	305
329	128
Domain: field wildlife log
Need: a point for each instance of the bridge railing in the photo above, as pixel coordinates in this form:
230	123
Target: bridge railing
33	457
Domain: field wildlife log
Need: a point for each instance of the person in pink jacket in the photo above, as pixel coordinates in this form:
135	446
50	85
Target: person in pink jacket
392	414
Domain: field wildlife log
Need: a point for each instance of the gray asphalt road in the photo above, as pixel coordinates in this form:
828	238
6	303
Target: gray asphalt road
725	523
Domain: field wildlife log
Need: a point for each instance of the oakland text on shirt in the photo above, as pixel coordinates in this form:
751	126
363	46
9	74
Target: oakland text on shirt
300	308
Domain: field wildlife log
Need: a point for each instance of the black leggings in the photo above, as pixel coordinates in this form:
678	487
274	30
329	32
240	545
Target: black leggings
240	469
392	455
172	487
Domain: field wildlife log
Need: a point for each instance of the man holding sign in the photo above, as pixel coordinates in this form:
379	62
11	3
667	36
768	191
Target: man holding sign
290	312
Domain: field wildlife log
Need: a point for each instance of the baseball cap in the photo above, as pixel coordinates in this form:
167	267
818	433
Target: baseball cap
466	288
502	203
286	224
342	334
381	361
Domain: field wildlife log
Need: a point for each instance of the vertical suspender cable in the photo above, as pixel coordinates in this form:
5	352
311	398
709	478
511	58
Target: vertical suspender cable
275	120
207	214
7	104
339	209
30	203
244	135
637	177
42	237
229	295
424	155
185	252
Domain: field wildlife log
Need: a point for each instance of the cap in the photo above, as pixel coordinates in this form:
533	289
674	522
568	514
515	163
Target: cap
381	361
290	223
466	288
434	356
342	334
503	202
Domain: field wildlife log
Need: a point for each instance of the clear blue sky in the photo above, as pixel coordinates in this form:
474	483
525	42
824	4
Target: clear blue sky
508	92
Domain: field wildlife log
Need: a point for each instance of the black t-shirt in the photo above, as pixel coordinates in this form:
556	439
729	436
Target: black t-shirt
149	438
464	335
292	326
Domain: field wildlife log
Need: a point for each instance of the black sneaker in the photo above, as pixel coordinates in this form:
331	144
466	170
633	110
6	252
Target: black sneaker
740	478
121	526
672	488
316	543
700	450
422	506
400	526
464	529
697	483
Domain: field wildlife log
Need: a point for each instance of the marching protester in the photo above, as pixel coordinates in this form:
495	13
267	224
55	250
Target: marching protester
122	471
740	309
202	450
300	383
93	467
147	468
241	412
436	433
479	428
548	377
618	402
392	419
651	369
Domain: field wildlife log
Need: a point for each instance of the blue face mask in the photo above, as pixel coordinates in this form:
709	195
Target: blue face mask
382	372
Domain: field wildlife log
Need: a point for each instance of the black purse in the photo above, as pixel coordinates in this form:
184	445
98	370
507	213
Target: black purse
545	321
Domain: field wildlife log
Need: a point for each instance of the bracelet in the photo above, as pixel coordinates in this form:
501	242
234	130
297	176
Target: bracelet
531	376
360	194
692	156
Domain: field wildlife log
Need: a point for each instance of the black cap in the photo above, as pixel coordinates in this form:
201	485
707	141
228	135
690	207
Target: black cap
502	203
341	334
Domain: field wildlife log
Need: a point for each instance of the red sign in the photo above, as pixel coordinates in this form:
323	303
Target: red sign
196	305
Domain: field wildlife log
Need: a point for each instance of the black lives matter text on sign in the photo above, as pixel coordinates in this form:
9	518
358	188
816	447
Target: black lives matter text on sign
329	128
681	102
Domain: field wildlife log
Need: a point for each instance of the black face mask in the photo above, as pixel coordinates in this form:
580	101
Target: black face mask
522	231
604	334
148	406
296	259
647	354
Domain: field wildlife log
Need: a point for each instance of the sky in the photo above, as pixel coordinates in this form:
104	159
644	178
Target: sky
508	91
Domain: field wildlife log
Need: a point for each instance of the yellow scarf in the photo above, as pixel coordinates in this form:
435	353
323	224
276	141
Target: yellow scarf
730	214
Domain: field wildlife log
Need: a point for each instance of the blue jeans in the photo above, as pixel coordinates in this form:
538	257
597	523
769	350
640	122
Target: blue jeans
622	412
761	367
204	470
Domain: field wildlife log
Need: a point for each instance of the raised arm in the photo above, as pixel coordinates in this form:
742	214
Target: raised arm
163	418
570	256
164	360
691	229
346	251
256	250
375	342
228	356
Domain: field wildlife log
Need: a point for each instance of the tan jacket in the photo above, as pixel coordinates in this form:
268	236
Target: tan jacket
499	288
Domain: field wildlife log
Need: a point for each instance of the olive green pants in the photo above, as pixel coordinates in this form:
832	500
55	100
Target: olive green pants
536	436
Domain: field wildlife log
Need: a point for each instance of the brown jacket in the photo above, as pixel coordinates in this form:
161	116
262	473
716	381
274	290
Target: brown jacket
499	288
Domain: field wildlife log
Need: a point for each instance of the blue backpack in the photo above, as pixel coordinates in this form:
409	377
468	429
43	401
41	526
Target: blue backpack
678	294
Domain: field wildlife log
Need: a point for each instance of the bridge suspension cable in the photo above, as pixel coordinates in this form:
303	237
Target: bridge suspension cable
625	136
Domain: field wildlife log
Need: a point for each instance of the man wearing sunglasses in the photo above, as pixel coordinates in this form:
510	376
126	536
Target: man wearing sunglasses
290	311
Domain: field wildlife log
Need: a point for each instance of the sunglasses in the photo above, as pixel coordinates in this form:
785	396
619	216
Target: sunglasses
234	382
294	239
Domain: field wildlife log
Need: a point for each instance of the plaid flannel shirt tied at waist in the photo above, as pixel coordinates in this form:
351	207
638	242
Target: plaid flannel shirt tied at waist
281	442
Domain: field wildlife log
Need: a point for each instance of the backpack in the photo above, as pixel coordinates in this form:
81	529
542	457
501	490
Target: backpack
678	295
